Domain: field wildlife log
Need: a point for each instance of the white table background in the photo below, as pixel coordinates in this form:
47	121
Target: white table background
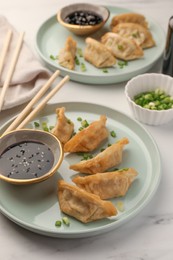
149	236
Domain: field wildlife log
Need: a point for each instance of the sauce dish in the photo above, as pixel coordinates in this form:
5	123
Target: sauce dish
29	156
81	28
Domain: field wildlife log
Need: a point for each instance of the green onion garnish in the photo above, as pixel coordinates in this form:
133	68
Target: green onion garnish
105	70
86	156
77	62
83	67
52	57
113	134
36	124
66	221
84	123
121	64
58	223
44	126
154	100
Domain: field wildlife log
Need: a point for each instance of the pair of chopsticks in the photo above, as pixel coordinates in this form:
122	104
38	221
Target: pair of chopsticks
13	62
28	114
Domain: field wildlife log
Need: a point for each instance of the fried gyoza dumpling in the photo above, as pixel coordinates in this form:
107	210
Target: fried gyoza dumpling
129	18
67	55
83	205
97	54
121	47
64	127
110	157
89	138
107	185
138	33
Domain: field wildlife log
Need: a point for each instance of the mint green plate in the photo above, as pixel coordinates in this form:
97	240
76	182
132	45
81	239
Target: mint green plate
51	37
35	207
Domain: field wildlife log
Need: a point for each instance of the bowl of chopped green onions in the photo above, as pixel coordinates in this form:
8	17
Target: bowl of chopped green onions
150	97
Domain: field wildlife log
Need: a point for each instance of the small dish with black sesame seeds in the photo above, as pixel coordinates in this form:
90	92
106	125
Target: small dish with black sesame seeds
83	19
29	156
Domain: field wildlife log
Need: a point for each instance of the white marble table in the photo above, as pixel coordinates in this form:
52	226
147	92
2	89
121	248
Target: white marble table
149	235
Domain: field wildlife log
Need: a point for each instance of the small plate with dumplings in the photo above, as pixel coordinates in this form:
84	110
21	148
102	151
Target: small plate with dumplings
127	45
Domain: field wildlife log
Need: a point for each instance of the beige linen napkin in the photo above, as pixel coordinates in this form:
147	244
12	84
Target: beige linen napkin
29	75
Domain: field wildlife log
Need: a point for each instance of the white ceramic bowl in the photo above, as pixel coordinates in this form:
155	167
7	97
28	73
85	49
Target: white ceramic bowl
83	29
144	83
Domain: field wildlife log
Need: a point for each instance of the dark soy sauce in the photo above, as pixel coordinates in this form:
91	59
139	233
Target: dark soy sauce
26	160
83	18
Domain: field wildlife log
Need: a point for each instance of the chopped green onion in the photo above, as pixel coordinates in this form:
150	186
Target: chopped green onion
121	64
66	221
45	127
105	70
36	124
86	156
84	123
58	223
154	100
83	67
79	119
77	62
113	134
52	57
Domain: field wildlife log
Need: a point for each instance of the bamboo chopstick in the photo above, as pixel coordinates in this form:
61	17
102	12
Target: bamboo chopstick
43	102
29	106
11	69
4	49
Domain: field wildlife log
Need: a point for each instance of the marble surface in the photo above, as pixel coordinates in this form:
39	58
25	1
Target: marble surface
149	235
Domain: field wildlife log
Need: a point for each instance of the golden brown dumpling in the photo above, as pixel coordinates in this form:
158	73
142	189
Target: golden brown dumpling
83	205
64	127
97	54
89	138
129	18
67	55
110	157
138	33
121	47
108	185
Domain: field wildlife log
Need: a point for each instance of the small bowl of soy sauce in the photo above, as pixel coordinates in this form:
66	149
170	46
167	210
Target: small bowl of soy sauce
29	156
83	19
